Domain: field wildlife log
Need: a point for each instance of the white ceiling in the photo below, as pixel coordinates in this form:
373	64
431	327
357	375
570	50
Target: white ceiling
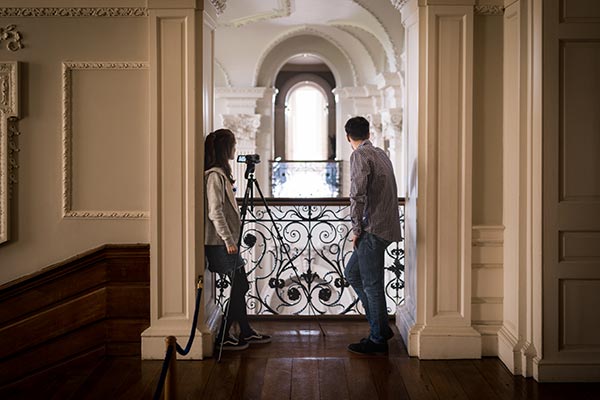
366	33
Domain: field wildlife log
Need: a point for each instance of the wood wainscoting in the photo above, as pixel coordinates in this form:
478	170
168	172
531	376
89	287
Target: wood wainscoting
93	305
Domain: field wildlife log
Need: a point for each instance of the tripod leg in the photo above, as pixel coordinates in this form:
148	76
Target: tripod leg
287	253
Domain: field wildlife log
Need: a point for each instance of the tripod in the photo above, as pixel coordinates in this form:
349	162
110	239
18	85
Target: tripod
248	202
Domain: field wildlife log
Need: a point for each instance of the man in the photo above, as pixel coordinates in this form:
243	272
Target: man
375	224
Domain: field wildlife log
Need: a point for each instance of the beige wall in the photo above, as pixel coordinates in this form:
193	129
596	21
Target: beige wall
108	131
487	120
487	261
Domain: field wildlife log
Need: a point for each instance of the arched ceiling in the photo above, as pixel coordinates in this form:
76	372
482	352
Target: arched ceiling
355	27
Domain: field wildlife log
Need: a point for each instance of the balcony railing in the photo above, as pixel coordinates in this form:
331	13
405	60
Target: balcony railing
315	233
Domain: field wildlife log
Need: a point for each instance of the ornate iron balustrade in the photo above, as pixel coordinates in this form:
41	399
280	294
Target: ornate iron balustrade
316	235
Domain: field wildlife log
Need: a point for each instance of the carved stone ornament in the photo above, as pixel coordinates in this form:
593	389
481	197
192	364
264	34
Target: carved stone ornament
398	4
9	103
374	123
244	126
12	37
73	12
68	212
391	121
284	10
219	5
489	10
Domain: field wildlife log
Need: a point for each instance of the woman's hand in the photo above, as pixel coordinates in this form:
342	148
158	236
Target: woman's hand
232	249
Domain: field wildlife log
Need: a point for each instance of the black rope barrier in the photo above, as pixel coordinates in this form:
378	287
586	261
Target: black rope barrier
180	350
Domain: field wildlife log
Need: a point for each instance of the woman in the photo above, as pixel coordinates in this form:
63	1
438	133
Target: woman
222	232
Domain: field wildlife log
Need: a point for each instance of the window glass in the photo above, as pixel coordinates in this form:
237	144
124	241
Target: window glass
306	124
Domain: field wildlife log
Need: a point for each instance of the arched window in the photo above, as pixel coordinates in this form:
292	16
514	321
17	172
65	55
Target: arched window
306	123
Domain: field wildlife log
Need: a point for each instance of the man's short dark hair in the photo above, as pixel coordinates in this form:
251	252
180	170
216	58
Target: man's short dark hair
357	128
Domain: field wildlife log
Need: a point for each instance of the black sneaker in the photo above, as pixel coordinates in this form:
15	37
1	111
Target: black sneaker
231	343
366	346
255	338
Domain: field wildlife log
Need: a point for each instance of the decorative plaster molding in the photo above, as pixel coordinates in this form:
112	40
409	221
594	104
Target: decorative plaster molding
67	134
391	121
355	92
9	110
240	92
375	128
489	10
244	126
388	79
73	12
284	10
389	37
219	5
12	37
297	32
398	4
13	150
220	66
348	29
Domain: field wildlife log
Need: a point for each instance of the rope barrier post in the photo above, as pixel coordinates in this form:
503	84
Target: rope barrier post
171	381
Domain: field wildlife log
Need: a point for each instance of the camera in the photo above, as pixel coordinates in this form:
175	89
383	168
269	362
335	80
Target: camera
248	158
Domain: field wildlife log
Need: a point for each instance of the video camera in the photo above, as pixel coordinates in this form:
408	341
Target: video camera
248	158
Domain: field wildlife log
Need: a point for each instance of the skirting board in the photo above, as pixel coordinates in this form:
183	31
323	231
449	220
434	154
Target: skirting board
489	339
568	372
446	343
153	339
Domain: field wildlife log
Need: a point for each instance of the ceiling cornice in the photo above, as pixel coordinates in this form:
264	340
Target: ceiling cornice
73	12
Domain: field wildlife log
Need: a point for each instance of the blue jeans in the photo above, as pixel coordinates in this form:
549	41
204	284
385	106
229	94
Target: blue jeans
364	272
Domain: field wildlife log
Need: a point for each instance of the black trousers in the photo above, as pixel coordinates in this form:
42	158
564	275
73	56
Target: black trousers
237	302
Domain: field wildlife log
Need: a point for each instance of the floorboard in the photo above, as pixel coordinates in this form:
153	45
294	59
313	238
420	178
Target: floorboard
301	363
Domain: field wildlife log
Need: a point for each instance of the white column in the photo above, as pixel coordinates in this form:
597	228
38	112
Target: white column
353	101
406	313
391	130
442	327
180	55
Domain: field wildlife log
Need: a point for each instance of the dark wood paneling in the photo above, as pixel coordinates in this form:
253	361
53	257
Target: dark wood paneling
54	322
125	330
127	301
99	299
18	301
51	353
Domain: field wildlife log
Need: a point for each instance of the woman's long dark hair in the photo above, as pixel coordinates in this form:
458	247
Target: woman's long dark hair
217	148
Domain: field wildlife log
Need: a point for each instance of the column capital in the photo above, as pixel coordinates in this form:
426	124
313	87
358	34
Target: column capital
244	126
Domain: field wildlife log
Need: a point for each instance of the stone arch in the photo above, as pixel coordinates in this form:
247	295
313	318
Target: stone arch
284	90
287	47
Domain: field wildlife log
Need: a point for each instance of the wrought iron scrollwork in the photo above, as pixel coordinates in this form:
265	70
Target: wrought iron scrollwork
317	239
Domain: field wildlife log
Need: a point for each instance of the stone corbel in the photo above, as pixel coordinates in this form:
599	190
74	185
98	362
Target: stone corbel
9	112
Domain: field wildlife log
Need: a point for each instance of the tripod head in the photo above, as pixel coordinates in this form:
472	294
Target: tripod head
251	160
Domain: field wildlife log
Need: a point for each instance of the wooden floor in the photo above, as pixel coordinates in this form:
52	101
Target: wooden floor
300	363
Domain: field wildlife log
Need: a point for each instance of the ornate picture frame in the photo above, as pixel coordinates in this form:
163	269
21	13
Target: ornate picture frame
9	108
